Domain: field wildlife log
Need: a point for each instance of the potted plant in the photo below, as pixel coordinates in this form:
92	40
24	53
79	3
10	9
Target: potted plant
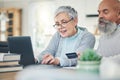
89	60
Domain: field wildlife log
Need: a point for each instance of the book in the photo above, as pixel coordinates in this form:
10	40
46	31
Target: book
8	63
10	68
9	57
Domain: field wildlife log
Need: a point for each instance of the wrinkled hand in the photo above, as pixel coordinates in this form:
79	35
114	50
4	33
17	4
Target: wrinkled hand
78	55
49	59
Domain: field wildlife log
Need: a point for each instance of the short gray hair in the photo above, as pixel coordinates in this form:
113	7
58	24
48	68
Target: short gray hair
67	9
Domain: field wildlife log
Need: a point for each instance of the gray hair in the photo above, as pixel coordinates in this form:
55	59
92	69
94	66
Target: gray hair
67	9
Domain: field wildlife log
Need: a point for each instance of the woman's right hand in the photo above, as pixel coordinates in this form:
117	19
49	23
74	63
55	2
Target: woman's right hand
49	59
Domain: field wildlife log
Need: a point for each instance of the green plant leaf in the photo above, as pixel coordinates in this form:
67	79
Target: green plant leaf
90	55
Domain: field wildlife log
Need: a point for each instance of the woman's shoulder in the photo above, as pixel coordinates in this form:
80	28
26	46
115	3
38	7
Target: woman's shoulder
84	32
56	35
81	28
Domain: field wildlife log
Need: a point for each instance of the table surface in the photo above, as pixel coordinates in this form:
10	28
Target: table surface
50	72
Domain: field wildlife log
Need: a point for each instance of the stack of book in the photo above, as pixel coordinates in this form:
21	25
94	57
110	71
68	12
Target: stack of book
9	62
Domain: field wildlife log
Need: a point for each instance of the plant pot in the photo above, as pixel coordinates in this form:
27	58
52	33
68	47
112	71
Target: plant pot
89	66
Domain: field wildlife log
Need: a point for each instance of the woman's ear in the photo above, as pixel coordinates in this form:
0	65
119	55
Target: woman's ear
76	20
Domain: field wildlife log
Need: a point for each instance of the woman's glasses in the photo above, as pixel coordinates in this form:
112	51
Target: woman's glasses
63	24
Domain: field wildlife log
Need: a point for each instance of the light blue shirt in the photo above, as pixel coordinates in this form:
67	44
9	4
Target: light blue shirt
59	46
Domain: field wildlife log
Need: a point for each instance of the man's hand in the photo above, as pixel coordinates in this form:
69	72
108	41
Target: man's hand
49	59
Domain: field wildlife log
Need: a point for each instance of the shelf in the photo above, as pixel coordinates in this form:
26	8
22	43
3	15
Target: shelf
13	26
92	15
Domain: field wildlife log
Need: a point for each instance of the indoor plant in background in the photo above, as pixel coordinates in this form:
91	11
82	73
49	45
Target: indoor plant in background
89	60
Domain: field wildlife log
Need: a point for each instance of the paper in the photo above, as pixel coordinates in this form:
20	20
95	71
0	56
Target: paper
1	56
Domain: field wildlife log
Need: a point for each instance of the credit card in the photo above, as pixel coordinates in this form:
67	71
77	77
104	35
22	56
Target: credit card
71	55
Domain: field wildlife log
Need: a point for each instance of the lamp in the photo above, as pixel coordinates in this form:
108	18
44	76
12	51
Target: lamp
3	17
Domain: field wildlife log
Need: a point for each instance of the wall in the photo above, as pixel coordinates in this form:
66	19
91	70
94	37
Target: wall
84	7
24	6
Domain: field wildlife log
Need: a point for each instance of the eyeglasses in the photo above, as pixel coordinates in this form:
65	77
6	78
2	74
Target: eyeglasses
63	24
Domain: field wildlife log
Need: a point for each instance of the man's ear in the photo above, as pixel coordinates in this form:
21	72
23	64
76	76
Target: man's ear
119	15
119	18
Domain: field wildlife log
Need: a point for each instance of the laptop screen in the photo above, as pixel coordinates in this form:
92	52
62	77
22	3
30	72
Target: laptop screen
22	45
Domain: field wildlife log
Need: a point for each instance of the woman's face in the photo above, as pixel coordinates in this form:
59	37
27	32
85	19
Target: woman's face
65	25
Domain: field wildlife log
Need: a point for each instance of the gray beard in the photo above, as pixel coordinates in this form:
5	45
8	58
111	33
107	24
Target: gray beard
108	27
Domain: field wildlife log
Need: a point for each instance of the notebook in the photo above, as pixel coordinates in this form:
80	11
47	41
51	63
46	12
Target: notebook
22	45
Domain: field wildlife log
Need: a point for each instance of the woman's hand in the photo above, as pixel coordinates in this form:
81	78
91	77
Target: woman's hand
49	59
78	53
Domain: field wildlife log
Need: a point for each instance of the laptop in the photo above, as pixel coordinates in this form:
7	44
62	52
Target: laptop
22	45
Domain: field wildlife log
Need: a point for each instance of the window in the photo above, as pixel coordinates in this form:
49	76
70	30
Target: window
41	20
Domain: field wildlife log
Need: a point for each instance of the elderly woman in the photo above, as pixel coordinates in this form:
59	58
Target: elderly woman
69	38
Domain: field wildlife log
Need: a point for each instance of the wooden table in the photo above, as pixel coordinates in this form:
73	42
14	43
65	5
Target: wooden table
8	75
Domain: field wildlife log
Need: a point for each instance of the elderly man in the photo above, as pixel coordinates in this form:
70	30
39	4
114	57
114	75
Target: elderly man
109	25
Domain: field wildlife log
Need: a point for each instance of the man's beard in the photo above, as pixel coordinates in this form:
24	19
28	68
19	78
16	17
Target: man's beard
106	26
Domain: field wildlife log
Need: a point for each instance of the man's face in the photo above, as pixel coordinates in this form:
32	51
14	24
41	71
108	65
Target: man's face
106	26
108	12
108	16
65	25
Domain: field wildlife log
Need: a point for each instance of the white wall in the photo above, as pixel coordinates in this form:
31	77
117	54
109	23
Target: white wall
82	6
22	5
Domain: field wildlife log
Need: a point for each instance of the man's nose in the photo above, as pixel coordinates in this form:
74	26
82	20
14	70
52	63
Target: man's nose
101	15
